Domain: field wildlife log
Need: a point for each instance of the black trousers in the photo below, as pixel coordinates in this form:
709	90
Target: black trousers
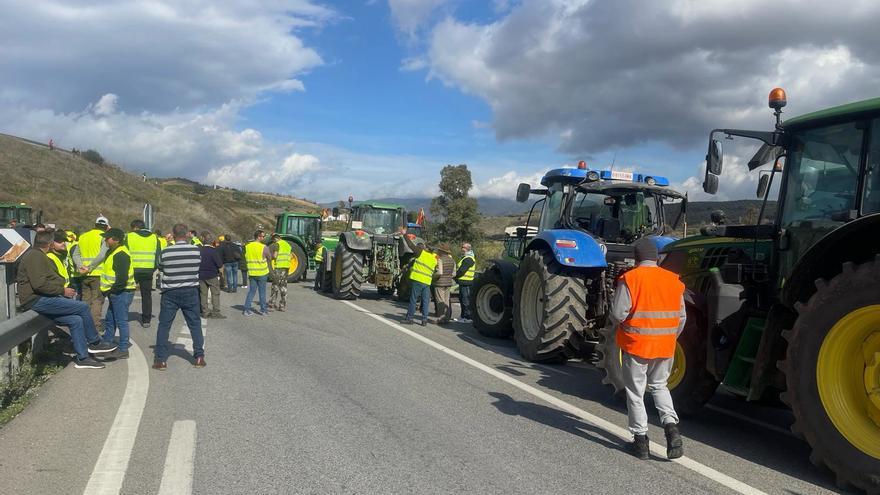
144	280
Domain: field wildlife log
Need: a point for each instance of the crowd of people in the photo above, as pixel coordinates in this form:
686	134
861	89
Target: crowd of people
69	278
435	269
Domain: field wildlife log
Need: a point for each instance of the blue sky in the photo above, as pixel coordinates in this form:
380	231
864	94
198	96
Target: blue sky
325	99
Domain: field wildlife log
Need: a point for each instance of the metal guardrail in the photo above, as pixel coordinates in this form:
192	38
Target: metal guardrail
21	328
19	332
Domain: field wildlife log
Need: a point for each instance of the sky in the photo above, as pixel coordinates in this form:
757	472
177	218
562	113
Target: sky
371	98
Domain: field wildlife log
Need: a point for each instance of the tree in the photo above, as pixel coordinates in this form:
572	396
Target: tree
93	156
455	213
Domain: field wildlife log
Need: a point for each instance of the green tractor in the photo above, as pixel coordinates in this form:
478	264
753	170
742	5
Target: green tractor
792	306
303	232
20	212
371	250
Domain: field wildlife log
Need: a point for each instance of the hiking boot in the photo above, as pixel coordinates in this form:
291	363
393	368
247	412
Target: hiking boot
640	447
160	365
88	363
423	323
102	347
117	354
200	362
674	448
216	315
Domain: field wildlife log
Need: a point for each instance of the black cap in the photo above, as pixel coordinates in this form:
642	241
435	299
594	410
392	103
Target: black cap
114	233
646	250
59	236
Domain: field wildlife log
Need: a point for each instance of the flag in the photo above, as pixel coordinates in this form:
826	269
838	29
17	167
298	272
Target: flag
420	220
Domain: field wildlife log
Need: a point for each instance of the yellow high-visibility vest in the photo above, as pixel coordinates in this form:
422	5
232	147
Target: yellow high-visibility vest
423	267
60	267
283	258
108	276
89	248
196	241
71	268
472	271
256	262
163	243
319	253
142	249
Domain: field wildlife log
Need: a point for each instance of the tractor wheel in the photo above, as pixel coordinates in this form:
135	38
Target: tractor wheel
298	264
832	374
348	272
325	274
490	308
549	309
609	363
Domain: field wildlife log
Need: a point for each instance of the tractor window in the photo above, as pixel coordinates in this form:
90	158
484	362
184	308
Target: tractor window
823	174
6	216
616	214
303	227
871	201
552	212
382	221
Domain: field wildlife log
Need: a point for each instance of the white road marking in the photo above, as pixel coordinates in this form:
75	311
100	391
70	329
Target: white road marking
177	477
743	417
109	471
622	433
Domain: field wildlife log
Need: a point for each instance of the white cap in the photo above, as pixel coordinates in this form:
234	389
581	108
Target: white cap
102	220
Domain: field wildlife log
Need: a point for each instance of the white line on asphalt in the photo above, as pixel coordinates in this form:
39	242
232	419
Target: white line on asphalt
109	471
743	417
623	434
177	477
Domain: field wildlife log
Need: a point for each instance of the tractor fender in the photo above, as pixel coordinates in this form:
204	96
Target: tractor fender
586	253
295	240
824	259
355	242
507	271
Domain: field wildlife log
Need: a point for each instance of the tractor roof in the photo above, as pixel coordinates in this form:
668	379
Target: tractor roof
840	112
300	215
578	175
13	205
379	205
621	187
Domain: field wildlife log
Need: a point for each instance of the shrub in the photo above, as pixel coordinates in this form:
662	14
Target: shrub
93	156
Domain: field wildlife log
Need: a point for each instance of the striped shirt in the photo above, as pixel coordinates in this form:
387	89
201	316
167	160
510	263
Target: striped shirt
179	265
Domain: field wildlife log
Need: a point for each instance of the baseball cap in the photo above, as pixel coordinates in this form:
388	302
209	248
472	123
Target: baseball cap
102	220
59	236
117	234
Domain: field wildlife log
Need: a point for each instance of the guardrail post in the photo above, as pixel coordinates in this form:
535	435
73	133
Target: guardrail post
8	360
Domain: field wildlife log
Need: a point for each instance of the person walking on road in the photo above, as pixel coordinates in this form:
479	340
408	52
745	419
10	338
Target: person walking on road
209	278
41	288
179	265
117	285
231	255
144	247
464	276
258	259
421	275
443	284
88	260
280	250
648	312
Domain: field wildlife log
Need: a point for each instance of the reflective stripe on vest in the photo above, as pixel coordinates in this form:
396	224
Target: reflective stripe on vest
651	329
319	253
423	267
283	258
108	277
471	272
89	248
256	262
142	249
59	266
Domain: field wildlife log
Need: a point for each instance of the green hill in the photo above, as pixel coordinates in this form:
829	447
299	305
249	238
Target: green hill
71	192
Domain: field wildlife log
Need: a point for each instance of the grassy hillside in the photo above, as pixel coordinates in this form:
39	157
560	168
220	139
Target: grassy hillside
72	192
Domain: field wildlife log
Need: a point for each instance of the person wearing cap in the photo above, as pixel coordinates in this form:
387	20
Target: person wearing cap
648	312
258	259
144	248
280	251
89	260
41	288
58	254
117	285
443	284
421	275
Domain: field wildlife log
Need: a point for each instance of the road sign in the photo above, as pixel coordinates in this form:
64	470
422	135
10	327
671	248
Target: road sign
148	216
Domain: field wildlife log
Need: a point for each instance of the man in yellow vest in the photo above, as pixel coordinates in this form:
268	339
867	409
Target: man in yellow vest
144	248
118	285
88	260
421	276
466	269
58	254
280	251
319	270
258	259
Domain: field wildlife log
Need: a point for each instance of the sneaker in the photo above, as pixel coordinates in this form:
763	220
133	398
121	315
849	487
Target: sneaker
102	347
674	447
145	324
423	323
248	313
200	362
160	365
117	354
88	363
640	447
407	321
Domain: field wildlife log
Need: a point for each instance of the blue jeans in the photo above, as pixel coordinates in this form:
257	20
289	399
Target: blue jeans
231	272
187	301
73	314
256	283
117	317
418	290
464	297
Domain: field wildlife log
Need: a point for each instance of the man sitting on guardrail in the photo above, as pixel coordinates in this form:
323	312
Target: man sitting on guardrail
43	290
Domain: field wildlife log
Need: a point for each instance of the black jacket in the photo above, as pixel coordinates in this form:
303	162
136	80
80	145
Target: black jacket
229	252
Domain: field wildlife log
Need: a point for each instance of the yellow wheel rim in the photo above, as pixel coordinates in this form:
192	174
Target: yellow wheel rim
848	377
294	264
679	365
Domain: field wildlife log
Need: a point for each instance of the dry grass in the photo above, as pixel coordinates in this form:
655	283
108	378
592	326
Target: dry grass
72	191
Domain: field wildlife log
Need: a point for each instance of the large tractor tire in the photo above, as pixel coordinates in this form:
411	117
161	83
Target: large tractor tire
490	308
610	363
832	374
348	272
299	263
550	310
325	275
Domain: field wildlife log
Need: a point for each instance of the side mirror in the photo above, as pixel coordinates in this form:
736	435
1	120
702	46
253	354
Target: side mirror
763	184
710	183
715	157
522	192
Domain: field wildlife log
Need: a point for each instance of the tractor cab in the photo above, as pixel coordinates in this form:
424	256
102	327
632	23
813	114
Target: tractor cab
20	212
378	218
303	232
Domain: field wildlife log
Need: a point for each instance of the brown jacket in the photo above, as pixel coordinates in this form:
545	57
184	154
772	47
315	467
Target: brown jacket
445	271
37	277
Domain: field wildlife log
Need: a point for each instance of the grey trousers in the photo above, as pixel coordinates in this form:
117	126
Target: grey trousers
653	373
211	285
442	306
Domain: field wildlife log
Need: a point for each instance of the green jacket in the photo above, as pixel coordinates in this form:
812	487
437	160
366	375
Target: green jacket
37	277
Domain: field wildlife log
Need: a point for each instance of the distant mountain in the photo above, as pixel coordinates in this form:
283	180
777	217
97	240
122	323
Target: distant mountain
490	207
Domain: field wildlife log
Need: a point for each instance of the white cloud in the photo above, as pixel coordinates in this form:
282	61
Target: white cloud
410	15
106	105
255	175
504	186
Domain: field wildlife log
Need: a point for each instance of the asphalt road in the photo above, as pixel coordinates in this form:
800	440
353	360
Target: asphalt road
336	397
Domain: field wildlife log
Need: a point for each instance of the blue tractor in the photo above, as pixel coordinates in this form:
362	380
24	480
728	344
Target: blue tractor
554	301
